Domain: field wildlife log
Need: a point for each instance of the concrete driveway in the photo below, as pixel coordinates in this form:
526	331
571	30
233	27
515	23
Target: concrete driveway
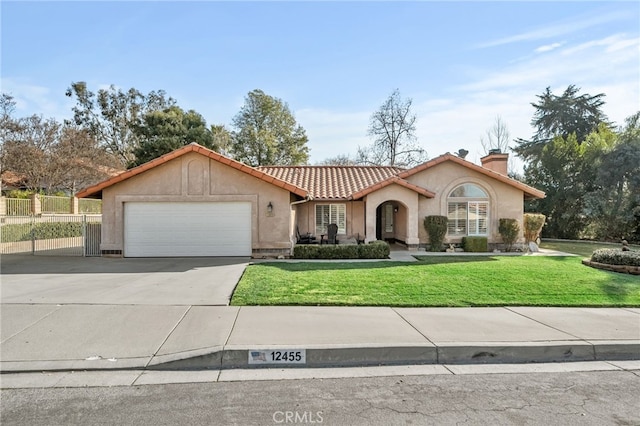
28	279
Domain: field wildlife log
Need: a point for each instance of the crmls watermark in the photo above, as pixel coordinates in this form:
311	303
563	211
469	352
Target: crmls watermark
297	417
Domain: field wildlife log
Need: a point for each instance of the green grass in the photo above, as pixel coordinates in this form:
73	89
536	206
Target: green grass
438	281
581	248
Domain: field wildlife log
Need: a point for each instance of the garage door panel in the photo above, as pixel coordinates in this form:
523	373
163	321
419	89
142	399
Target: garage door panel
165	229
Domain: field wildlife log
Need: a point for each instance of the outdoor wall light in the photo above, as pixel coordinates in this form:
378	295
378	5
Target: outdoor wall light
270	207
395	209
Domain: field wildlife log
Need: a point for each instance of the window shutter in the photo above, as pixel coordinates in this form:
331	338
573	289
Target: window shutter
322	216
341	219
457	214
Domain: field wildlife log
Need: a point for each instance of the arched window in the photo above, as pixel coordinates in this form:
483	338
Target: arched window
467	210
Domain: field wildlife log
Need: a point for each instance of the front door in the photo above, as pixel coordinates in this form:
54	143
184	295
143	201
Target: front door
385	222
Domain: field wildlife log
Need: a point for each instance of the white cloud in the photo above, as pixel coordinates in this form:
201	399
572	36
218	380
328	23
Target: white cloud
588	62
32	97
608	65
459	118
558	29
548	47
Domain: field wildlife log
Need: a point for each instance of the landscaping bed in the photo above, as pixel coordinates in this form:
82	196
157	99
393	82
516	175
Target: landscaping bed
616	260
623	269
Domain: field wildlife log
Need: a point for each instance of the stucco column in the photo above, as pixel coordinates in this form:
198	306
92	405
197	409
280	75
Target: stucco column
413	223
3	206
370	222
36	207
74	205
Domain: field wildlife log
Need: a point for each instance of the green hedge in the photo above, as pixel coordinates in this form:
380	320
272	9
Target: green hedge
508	229
475	244
533	223
15	232
616	257
436	227
374	250
41	231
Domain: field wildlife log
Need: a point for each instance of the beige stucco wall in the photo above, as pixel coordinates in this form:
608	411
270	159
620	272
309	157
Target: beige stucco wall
408	200
505	201
196	178
306	214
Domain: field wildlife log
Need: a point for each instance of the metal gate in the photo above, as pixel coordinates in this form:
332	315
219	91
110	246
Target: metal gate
52	235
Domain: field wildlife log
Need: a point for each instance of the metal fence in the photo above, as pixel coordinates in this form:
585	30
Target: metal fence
89	205
51	204
54	235
18	207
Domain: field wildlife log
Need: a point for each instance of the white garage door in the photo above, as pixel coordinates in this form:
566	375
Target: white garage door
167	229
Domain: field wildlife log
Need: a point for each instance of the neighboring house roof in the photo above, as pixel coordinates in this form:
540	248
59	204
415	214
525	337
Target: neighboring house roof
332	182
193	147
529	192
11	180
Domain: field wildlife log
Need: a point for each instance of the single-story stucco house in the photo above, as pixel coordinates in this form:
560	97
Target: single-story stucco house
197	202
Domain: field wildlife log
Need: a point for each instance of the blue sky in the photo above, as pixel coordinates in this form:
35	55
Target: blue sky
334	63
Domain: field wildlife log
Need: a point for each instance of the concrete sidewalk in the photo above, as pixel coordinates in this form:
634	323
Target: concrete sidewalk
51	337
61	314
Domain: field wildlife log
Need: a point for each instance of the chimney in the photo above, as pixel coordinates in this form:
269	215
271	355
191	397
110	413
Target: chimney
496	161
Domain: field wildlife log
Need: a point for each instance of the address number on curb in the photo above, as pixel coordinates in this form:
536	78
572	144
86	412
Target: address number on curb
278	356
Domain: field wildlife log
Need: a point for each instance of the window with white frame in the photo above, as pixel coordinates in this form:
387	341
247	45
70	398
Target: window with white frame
331	213
467	211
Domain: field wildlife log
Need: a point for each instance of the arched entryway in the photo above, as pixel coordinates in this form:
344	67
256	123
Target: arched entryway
391	222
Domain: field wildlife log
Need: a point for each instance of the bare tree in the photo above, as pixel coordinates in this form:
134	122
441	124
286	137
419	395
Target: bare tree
393	127
77	161
496	137
46	155
26	147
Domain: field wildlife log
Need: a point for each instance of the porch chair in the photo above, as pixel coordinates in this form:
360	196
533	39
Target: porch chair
332	231
305	239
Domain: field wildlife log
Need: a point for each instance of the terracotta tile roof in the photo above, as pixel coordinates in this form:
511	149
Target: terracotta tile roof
320	182
393	180
12	179
529	191
194	147
332	182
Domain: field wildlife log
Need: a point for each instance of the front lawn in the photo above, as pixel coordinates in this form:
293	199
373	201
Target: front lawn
581	248
438	281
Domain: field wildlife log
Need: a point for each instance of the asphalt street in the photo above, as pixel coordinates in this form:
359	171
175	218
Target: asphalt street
585	398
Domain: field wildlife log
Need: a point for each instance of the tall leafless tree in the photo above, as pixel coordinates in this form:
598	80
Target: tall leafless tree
48	156
393	128
496	137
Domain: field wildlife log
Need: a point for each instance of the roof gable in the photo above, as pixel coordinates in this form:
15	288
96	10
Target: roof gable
529	191
393	180
193	147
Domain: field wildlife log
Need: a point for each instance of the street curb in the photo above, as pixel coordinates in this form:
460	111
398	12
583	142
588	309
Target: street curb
450	353
340	356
